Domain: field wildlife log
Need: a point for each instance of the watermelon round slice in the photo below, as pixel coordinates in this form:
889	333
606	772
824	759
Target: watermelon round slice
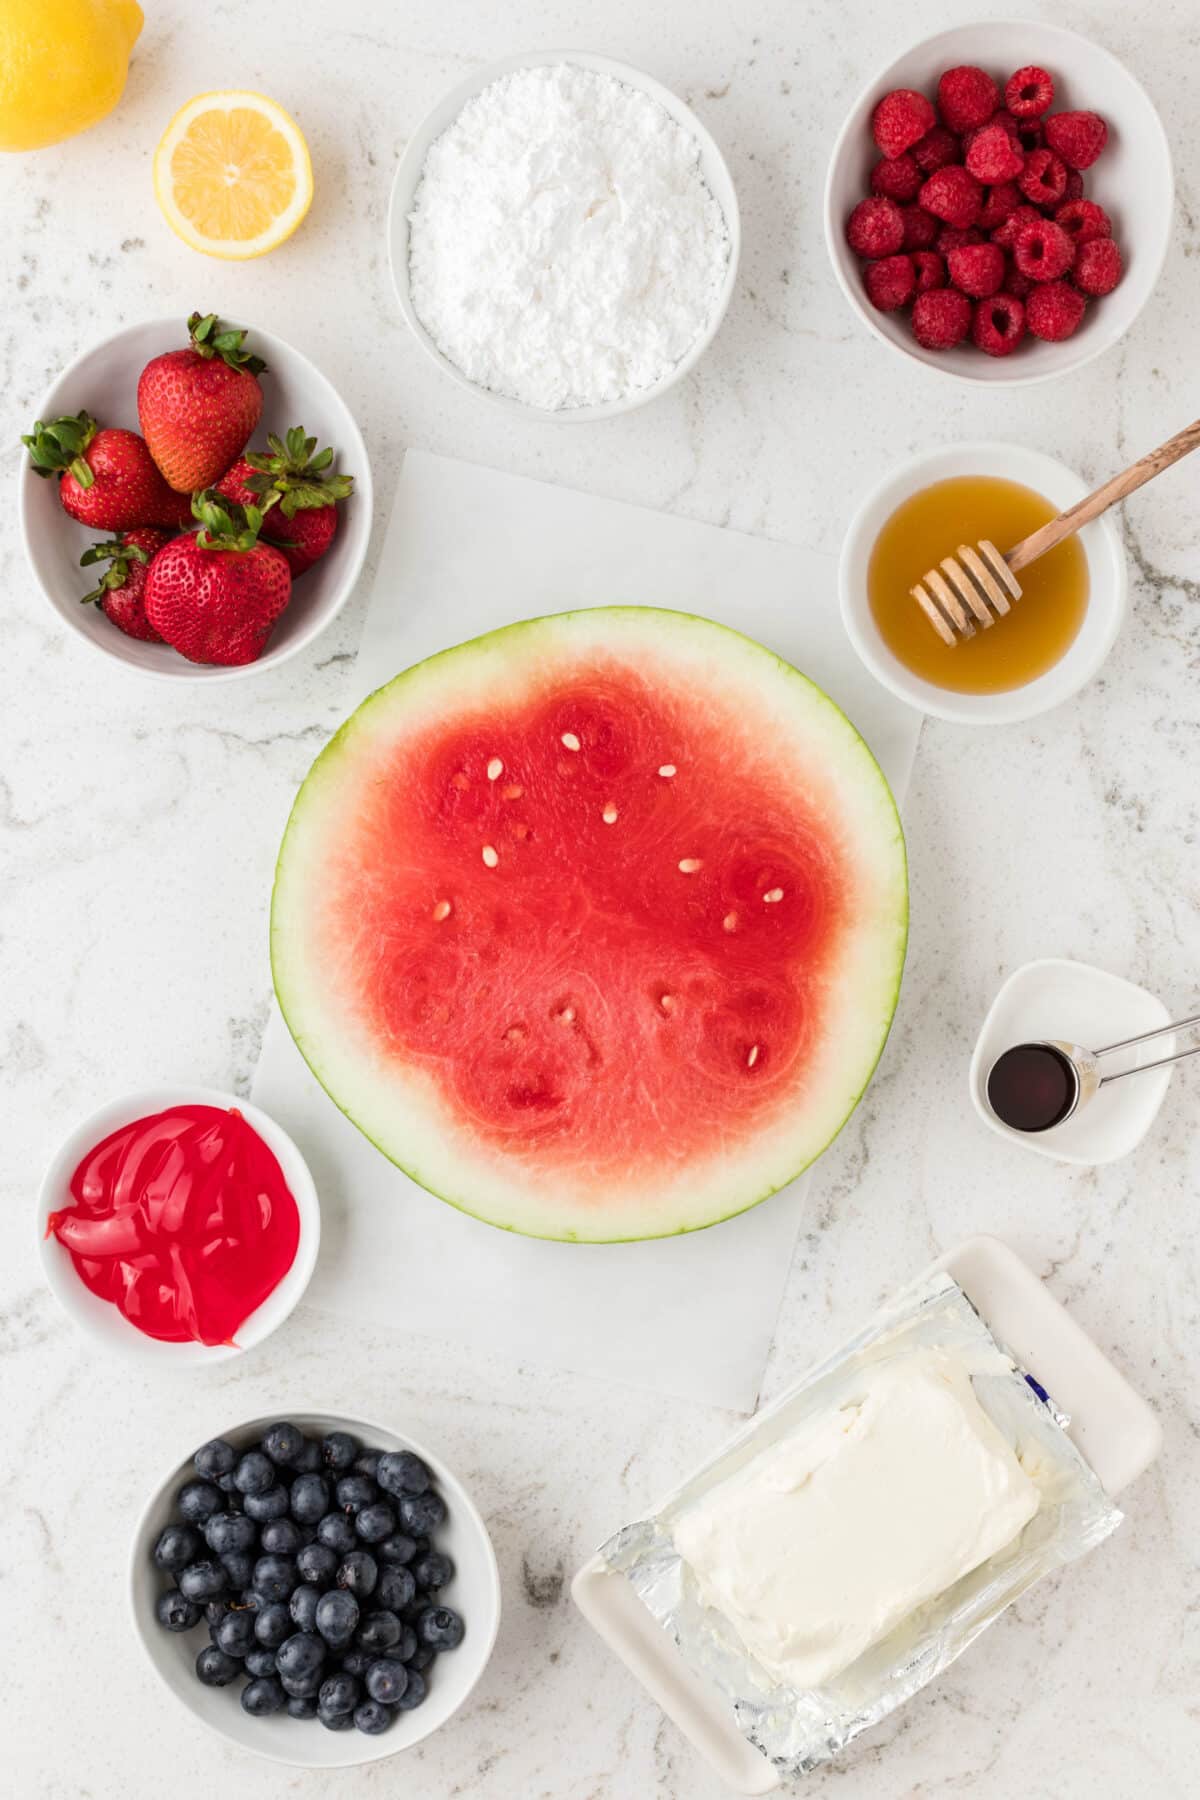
594	925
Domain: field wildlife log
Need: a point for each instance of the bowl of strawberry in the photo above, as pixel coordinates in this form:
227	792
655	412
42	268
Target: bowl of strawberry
195	499
998	202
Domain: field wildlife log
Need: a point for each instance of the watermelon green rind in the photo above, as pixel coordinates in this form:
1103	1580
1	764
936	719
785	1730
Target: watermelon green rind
455	673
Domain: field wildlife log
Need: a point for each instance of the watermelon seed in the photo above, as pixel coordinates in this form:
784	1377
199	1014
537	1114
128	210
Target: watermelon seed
513	791
667	770
753	1056
520	831
730	921
495	769
566	1016
441	911
609	815
569	741
515	1034
689	864
489	856
772	895
667	1002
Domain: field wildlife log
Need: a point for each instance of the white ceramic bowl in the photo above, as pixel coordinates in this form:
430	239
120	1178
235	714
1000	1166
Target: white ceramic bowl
101	1321
474	1593
1132	180
408	176
1107	598
1056	998
103	381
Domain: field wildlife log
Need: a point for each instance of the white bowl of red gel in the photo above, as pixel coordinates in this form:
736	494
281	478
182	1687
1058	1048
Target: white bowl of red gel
147	1178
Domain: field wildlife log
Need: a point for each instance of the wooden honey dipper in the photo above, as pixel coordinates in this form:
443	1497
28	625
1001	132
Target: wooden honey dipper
978	585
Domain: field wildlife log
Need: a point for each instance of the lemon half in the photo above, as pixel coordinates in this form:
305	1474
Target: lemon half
232	174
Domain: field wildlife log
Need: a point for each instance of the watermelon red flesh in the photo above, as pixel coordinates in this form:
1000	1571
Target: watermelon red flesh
577	993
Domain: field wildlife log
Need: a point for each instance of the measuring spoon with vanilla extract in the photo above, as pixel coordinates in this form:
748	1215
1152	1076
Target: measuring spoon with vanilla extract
1035	1086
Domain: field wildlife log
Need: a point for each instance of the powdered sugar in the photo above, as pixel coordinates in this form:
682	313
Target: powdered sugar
564	248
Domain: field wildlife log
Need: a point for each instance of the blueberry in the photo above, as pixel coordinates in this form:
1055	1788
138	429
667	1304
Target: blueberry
400	1472
374	1523
301	1654
420	1659
357	1662
338	1532
229	1487
414	1693
235	1634
273	1624
198	1501
305	1685
396	1588
264	1507
433	1571
215	1458
255	1473
358	1573
226	1531
177	1546
275	1577
440	1628
281	1537
378	1632
399	1548
302	1706
367	1463
337	1617
263	1696
406	1649
317	1563
215	1611
309	1459
372	1718
284	1444
214	1668
421	1513
309	1498
303	1606
338	1451
175	1612
336	1721
354	1492
203	1580
339	1694
260	1660
387	1680
239	1567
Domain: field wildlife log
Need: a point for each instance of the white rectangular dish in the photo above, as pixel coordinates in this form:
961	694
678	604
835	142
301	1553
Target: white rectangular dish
1111	1425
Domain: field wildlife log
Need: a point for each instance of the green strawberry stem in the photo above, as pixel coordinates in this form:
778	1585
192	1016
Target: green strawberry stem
118	554
59	446
209	339
224	525
293	475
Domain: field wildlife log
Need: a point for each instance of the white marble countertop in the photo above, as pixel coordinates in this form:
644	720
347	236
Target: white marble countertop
138	828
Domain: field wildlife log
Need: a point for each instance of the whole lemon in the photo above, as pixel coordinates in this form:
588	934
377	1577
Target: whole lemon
62	66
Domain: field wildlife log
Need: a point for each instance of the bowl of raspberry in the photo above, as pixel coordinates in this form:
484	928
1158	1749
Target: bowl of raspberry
998	202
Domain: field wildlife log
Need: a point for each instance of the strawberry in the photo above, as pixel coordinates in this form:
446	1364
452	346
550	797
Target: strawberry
216	593
121	592
197	407
298	499
107	478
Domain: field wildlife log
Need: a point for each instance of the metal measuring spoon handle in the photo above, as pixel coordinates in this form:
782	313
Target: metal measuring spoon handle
1147	1037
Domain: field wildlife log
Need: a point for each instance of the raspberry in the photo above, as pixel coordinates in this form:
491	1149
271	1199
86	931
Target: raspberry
999	203
936	149
896	177
966	96
1083	220
1074	187
1043	179
901	120
951	238
1029	135
1076	137
1054	310
941	318
1029	93
1018	285
931	271
994	156
977	269
998	324
954	195
1043	250
875	228
891	283
920	228
1006	234
1097	266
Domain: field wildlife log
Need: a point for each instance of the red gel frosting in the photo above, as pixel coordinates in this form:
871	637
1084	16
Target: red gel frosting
183	1220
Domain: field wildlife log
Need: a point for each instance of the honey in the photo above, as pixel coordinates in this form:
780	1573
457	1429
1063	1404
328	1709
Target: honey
932	524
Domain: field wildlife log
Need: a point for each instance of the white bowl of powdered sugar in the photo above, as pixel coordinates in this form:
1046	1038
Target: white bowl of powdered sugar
564	235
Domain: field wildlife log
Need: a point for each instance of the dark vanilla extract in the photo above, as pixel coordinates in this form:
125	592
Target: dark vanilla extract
1032	1087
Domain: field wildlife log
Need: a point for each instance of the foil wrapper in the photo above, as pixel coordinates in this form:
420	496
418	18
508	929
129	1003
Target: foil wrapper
796	1729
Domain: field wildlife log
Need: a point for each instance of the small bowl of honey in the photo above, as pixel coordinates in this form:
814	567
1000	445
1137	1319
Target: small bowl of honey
1055	637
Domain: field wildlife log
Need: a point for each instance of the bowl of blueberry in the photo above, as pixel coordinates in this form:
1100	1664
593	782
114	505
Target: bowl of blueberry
320	1590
